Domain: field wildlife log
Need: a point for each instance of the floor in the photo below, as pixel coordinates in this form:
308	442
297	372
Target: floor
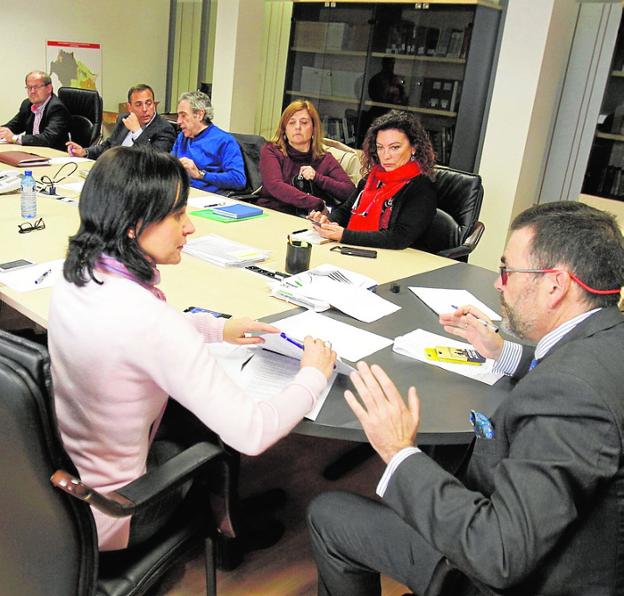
286	569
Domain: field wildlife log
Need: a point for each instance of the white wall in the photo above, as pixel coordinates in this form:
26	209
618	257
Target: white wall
534	53
133	34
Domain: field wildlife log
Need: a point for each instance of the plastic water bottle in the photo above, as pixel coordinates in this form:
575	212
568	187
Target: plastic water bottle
29	198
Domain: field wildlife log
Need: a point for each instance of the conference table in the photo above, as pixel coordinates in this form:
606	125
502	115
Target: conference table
446	398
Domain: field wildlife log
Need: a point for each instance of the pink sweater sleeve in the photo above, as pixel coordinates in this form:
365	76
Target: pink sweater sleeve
179	361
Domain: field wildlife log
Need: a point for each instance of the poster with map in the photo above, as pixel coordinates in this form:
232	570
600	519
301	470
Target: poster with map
75	64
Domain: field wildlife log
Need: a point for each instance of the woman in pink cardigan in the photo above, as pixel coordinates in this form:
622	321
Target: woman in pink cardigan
298	175
118	350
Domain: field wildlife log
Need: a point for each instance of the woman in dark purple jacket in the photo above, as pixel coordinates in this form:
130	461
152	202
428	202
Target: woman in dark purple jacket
298	175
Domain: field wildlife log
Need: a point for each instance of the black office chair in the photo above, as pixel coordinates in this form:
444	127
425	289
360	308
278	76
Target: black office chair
456	229
85	107
48	543
250	146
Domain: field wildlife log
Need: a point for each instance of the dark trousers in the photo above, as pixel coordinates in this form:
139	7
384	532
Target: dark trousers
354	539
179	430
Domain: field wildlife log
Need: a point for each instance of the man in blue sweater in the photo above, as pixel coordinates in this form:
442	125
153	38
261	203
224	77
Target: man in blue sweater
211	156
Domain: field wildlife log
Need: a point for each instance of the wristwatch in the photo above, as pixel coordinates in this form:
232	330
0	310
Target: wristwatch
202	173
14	139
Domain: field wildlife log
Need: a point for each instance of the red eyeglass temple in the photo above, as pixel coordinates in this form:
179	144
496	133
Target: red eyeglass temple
505	275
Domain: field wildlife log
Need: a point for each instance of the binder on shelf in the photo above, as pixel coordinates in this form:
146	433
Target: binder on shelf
421	40
431	43
443	42
456	43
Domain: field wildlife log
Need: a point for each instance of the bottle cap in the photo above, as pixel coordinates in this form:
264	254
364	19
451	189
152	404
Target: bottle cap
28	173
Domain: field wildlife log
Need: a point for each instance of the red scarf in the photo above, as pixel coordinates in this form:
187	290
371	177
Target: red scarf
372	209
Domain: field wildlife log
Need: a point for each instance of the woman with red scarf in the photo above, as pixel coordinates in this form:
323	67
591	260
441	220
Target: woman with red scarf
394	205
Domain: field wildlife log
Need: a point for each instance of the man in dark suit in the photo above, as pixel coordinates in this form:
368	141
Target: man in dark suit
42	119
141	125
537	508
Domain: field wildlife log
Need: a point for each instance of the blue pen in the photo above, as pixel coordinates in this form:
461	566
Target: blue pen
292	341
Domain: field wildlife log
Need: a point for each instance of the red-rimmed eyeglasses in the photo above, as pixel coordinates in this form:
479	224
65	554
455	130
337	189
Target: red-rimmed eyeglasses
505	271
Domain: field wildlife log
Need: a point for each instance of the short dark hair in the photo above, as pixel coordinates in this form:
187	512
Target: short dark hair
128	188
585	239
138	89
409	125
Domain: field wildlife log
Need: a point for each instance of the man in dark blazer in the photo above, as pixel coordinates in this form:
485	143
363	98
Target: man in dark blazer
537	508
141	125
42	118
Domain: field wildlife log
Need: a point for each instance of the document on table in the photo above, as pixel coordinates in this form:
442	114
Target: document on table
413	344
223	252
280	343
347	341
33	277
269	373
350	295
72	186
69	159
441	301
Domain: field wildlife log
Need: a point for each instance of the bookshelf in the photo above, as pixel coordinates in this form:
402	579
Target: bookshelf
357	60
604	176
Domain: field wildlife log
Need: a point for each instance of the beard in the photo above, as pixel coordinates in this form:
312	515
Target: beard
512	322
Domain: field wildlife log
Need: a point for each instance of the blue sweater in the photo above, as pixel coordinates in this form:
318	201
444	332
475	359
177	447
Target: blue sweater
216	152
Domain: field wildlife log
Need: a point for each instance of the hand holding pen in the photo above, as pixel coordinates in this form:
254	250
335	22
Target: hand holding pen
469	323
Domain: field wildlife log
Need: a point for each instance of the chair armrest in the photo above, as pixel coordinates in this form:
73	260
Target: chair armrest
145	490
249	197
467	246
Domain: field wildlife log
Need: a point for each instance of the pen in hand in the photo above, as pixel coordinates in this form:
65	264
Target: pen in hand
71	149
487	324
42	277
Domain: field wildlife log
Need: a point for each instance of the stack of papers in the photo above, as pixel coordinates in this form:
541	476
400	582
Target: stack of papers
223	252
415	343
317	291
347	341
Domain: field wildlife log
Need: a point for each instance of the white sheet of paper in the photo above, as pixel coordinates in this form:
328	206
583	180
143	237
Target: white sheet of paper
441	301
269	373
349	342
61	160
413	344
72	186
23	279
359	303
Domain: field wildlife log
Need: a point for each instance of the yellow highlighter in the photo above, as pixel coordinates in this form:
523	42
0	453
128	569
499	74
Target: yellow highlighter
455	355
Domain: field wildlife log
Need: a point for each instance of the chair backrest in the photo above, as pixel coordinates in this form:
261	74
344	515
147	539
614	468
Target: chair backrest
85	107
347	157
460	195
48	542
250	146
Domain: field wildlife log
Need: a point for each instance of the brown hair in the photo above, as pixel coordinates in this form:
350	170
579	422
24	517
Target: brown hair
279	138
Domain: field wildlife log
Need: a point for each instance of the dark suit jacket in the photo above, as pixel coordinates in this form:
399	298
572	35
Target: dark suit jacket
52	130
539	509
159	135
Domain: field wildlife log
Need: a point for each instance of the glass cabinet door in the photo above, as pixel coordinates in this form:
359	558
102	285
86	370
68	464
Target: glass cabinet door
604	176
328	50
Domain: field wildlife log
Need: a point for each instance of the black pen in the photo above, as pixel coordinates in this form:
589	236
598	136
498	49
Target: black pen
299	231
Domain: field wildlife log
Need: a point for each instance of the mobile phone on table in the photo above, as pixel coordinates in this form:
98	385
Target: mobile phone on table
214	313
355	252
14	264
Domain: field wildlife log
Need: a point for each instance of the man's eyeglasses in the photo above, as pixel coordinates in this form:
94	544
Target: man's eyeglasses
505	271
27	227
34	87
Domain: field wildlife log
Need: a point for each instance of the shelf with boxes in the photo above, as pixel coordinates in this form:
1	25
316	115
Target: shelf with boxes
604	175
358	60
